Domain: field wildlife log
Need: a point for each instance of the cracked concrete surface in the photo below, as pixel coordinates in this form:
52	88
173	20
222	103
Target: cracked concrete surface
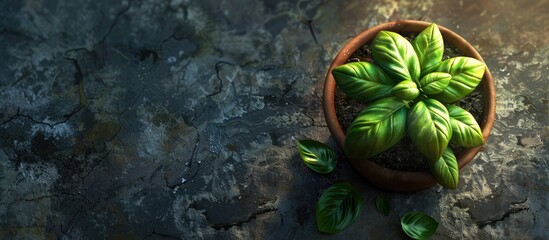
177	119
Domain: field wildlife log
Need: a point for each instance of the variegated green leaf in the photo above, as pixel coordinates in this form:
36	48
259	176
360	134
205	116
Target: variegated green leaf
445	170
337	208
435	82
466	75
465	129
429	128
382	205
418	225
318	156
405	90
394	54
429	47
363	81
377	128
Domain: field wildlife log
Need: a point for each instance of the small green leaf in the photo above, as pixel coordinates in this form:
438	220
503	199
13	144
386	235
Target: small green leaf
465	129
317	156
466	75
429	128
405	90
429	47
377	128
394	54
435	82
445	170
363	81
382	205
337	208
418	225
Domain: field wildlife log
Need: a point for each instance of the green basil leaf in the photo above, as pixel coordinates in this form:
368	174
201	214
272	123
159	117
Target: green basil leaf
429	47
317	156
418	225
445	170
466	75
382	205
363	81
429	128
377	128
394	54
405	90
465	129
337	208
435	82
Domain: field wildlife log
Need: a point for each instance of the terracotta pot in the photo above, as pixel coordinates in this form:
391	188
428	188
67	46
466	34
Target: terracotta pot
389	179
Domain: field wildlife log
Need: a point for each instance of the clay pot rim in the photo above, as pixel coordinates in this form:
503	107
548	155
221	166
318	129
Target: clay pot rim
395	180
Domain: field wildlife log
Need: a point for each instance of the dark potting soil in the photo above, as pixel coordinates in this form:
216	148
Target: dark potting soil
403	156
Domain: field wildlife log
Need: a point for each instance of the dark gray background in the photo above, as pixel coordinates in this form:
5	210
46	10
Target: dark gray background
151	119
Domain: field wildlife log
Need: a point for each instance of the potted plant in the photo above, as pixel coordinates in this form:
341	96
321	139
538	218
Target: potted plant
411	84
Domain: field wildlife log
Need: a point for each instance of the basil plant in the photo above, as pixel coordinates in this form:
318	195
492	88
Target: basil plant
410	91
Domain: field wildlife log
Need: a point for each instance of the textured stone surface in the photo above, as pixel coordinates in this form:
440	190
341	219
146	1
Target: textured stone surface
176	119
